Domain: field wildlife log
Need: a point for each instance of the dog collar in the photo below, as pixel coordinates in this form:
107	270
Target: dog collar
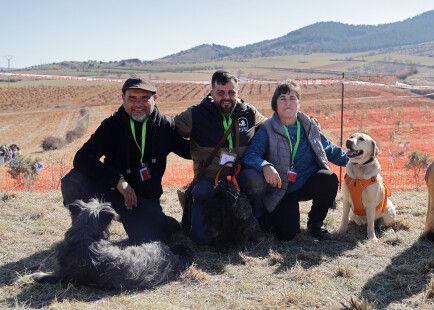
369	161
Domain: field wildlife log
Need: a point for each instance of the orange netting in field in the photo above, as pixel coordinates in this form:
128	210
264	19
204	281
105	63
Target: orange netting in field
49	178
400	121
181	172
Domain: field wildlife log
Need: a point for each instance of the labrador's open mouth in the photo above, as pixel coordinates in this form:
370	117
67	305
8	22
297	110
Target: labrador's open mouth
354	153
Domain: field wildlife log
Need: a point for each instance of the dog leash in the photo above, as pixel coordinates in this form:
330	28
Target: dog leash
217	148
184	195
231	177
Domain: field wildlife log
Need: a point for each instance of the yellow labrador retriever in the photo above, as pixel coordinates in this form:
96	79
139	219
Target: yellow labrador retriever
429	224
365	196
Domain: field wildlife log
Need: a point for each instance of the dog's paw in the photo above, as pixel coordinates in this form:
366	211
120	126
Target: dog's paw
373	239
258	236
342	230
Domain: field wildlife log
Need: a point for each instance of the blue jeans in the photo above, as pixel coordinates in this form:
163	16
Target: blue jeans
144	223
250	181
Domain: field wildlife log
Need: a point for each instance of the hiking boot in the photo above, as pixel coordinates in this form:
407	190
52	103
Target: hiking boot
333	204
258	236
320	233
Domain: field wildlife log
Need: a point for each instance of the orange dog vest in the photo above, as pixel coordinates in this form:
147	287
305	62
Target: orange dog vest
356	187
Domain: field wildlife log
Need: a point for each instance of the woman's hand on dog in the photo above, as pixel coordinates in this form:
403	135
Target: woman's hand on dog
271	176
127	191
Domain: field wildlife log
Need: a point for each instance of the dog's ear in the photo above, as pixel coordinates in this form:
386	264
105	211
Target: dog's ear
375	149
106	216
74	208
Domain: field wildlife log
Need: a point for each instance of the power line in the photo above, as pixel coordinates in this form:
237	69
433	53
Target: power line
9	58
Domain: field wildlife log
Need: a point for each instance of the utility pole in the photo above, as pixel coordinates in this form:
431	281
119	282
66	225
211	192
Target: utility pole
9	58
342	126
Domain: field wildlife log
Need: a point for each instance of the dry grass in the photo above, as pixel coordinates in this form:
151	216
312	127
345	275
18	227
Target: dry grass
358	304
348	272
194	274
402	225
345	271
429	291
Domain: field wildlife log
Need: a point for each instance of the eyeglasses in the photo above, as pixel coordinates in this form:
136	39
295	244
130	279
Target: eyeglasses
135	99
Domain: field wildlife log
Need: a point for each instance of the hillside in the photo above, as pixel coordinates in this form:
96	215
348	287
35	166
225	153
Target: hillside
201	53
422	49
404	49
326	37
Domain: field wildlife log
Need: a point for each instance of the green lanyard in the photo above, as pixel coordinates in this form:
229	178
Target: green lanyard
293	151
133	130
226	125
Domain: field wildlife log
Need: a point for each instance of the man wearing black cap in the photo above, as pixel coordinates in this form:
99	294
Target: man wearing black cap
135	142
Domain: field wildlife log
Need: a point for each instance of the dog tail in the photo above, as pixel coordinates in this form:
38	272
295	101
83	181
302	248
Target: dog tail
185	256
45	277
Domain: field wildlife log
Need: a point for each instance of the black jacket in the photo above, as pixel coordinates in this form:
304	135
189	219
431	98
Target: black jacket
113	140
203	124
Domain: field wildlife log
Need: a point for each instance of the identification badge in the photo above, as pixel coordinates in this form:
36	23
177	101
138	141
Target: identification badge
292	176
227	157
144	172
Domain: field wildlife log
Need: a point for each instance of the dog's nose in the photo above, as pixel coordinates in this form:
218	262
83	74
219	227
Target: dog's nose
348	144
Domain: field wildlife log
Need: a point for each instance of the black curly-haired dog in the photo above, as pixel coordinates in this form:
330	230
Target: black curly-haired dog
228	218
85	256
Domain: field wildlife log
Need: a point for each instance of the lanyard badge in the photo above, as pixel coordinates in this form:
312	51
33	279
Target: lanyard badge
291	174
227	157
145	173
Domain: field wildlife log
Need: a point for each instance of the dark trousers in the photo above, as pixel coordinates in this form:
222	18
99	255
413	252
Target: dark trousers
144	223
321	188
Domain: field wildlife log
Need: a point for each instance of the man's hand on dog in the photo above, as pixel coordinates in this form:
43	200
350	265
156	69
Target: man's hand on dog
271	176
127	191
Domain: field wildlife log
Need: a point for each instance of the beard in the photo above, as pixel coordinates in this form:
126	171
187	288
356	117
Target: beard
139	118
226	107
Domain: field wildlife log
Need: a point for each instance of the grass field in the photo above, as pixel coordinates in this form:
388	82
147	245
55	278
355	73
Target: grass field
395	273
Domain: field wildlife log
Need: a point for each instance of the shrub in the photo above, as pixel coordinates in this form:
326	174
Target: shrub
417	161
80	127
404	75
52	143
24	169
72	135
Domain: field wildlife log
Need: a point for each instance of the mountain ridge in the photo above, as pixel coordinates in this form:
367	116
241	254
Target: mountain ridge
321	37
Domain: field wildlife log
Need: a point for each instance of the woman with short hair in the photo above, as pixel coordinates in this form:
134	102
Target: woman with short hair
293	155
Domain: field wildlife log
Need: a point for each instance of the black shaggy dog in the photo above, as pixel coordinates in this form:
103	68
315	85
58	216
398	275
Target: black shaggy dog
85	256
228	218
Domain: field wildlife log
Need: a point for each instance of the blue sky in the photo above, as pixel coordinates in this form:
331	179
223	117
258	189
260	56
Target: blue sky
45	31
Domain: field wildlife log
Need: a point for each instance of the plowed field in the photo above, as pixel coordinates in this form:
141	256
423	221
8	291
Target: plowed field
400	121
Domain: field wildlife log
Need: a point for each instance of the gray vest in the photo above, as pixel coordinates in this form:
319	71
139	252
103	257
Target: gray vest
279	153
